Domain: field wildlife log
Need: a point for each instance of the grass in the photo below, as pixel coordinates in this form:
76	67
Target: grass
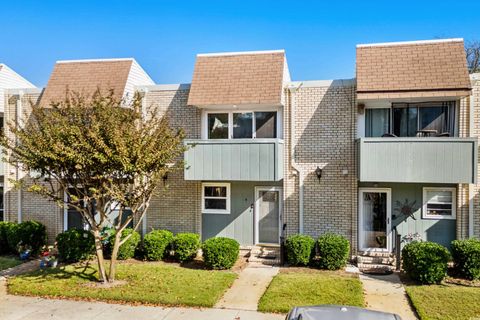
445	301
309	287
154	283
8	262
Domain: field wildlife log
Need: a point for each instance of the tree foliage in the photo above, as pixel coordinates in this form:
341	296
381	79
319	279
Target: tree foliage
472	50
105	154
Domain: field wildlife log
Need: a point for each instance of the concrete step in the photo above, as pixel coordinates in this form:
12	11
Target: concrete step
375	260
264	261
375	267
376	254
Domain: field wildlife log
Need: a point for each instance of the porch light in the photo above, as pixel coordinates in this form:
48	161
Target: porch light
318	172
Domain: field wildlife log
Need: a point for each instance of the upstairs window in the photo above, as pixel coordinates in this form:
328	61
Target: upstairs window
411	119
242	125
377	122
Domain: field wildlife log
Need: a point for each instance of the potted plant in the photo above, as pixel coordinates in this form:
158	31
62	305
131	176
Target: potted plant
49	257
24	251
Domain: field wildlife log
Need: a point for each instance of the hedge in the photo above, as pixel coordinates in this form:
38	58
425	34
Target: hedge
466	257
75	245
299	249
185	246
4	227
425	262
31	233
331	252
126	250
156	243
220	253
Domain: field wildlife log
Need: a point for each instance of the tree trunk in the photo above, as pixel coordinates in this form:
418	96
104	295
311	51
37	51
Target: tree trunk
101	261
113	259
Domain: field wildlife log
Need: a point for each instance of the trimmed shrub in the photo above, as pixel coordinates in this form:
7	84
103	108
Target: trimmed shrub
4	227
126	250
425	262
31	233
220	253
75	245
299	249
331	252
185	246
466	256
155	244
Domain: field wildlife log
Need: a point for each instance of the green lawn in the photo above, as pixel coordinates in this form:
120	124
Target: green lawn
150	283
309	287
445	301
8	262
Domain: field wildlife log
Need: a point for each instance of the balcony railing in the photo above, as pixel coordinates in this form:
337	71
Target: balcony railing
234	159
419	160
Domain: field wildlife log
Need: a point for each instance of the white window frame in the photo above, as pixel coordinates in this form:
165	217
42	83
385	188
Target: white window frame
227	198
425	215
230	121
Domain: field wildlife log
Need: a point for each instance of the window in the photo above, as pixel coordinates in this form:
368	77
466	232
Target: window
409	118
377	122
242	125
439	203
218	126
216	198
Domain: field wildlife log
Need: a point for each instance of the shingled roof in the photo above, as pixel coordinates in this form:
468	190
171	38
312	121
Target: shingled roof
86	76
412	69
249	78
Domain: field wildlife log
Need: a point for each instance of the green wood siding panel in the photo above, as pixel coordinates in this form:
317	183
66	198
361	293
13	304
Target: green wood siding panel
239	224
422	160
439	231
234	160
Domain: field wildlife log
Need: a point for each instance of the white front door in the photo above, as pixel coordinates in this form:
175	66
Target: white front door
374	220
268	208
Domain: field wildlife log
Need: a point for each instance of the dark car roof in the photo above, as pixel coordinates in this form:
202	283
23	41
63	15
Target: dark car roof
333	312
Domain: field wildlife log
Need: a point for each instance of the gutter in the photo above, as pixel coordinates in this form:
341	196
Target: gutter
17	173
301	177
470	186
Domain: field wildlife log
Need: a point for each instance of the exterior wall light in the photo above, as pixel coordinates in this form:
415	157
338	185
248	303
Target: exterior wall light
319	172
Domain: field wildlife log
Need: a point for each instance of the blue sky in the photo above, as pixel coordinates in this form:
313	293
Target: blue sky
164	36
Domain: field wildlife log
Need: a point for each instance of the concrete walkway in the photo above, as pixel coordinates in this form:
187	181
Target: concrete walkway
248	288
28	308
386	293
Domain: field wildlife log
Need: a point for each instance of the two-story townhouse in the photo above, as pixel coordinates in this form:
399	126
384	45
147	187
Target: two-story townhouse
393	149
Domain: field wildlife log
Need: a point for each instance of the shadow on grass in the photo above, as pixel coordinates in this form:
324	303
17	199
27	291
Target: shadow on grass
82	271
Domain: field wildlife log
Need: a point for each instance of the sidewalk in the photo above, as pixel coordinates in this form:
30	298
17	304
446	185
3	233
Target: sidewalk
248	288
28	308
386	293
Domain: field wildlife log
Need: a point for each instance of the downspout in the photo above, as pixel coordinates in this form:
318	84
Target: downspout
470	186
18	115
293	89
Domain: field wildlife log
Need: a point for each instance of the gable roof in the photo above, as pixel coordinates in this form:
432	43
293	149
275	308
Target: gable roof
86	76
419	68
9	79
239	78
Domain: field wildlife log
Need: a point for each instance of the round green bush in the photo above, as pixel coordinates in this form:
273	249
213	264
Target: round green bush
466	257
425	262
331	252
75	245
299	249
155	244
4	227
220	253
31	233
185	246
126	250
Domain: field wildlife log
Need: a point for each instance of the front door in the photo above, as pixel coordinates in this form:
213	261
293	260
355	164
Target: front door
375	219
267	215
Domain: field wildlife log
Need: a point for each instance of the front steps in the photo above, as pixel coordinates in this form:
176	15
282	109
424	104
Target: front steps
376	262
264	255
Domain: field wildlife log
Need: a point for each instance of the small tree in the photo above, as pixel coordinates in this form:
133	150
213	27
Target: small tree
105	155
472	50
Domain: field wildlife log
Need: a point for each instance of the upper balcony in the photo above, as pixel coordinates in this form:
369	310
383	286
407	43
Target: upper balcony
417	159
234	159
